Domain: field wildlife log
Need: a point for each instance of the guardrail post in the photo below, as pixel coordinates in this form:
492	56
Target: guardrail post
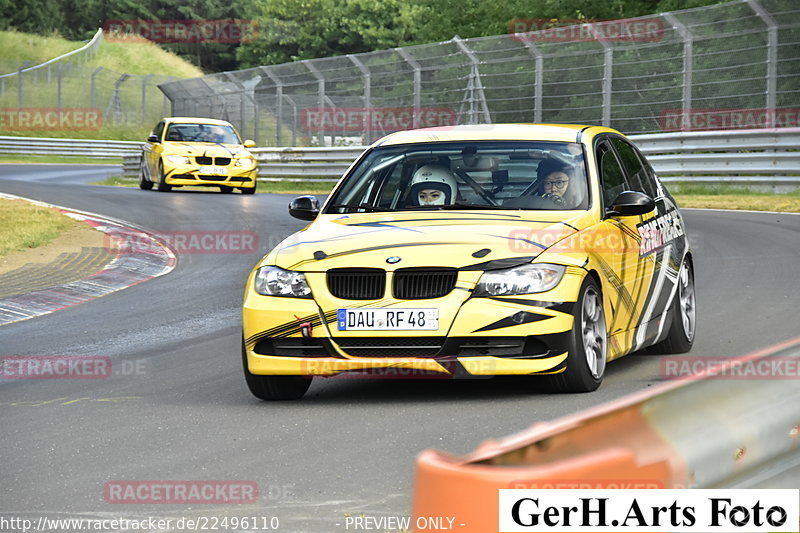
417	82
474	86
278	103
772	57
688	43
367	77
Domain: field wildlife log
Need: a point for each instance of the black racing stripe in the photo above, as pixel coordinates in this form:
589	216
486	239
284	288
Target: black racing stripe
542	246
496	264
519	318
293	326
580	134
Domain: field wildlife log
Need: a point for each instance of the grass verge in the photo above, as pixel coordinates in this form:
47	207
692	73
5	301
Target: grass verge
24	225
734	198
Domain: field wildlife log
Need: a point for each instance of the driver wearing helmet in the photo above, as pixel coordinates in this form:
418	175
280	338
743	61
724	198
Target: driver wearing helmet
432	185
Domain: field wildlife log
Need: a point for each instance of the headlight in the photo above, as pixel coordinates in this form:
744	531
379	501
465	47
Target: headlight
245	162
178	159
274	281
525	279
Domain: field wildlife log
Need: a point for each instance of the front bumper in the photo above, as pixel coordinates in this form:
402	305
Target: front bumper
487	336
188	175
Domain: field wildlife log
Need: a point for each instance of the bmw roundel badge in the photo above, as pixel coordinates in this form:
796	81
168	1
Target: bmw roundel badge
392	260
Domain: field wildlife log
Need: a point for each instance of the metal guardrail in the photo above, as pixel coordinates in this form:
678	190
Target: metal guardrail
747	157
716	429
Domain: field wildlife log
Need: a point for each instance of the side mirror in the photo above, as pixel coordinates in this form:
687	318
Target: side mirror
249	144
630	203
304	207
152	138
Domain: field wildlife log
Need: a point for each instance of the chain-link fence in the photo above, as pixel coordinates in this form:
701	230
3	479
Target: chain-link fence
69	93
732	65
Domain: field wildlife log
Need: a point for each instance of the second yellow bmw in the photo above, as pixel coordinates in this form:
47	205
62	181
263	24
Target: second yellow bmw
475	250
197	152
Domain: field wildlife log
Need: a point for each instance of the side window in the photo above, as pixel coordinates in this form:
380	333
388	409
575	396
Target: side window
638	178
611	175
159	129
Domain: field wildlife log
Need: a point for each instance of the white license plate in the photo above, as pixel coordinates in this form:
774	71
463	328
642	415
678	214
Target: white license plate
213	171
387	319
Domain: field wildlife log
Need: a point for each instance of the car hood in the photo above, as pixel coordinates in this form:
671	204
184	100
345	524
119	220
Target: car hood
205	149
479	240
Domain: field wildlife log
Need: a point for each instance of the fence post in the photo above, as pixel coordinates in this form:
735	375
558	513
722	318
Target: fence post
688	54
92	87
20	91
145	79
475	85
417	82
367	77
772	57
321	94
278	102
608	72
539	76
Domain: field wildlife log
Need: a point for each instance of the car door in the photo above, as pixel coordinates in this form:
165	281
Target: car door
662	244
619	259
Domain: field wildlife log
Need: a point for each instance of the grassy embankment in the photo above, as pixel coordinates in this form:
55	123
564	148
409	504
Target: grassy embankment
24	226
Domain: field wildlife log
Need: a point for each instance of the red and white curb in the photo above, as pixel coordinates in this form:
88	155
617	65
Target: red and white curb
133	264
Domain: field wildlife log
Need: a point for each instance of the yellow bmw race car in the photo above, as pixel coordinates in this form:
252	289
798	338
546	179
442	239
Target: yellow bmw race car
198	152
475	251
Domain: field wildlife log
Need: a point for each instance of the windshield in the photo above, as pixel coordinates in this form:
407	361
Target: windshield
200	133
466	175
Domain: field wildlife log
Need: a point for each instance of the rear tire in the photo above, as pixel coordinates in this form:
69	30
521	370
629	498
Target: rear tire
163	186
683	311
588	345
274	388
224	189
144	183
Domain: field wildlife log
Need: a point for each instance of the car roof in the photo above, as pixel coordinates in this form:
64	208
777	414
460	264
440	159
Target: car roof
196	120
487	132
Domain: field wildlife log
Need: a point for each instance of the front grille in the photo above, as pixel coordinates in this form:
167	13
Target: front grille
357	283
423	283
391	346
203	160
211	178
222	161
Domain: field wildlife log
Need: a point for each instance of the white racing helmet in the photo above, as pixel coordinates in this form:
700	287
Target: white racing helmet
436	177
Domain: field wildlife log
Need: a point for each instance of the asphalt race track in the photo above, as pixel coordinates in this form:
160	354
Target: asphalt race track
177	407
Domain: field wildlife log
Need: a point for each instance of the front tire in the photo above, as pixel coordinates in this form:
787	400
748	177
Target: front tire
225	189
248	190
144	183
680	336
588	345
274	388
163	186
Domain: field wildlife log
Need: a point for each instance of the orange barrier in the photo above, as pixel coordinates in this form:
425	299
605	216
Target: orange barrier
637	442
